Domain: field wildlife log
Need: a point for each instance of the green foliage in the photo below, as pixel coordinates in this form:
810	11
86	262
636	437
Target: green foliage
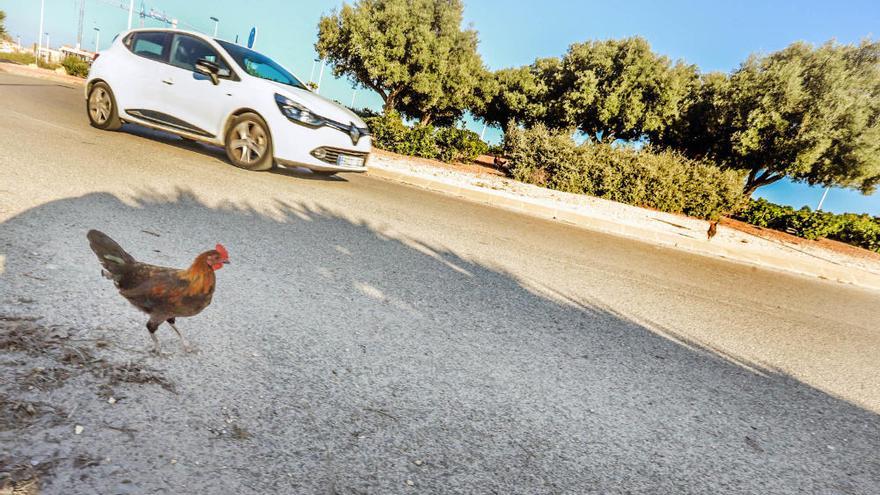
75	66
413	53
809	113
23	58
446	143
662	180
618	89
858	230
3	33
459	144
511	95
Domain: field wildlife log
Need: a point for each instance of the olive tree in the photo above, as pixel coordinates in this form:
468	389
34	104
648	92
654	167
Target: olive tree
617	89
413	53
511	95
808	113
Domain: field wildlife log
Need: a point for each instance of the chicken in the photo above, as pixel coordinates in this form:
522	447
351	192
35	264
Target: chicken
163	293
713	229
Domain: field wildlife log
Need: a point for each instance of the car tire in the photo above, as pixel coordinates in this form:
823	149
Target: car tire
325	173
101	108
248	143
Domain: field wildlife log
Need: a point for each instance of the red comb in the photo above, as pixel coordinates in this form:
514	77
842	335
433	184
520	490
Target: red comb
222	250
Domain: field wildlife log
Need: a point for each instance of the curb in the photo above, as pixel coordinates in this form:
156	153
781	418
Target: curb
818	268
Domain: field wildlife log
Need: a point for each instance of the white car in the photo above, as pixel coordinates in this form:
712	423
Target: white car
205	89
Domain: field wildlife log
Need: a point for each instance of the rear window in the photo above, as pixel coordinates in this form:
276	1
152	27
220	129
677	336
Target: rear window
149	45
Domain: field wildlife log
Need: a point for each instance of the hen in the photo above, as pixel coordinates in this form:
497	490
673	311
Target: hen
163	293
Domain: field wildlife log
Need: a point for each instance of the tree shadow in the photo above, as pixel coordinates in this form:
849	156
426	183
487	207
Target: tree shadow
339	357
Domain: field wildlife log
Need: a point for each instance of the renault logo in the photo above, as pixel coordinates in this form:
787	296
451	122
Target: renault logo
355	134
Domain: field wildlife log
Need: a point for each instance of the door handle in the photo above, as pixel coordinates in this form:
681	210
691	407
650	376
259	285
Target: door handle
168	81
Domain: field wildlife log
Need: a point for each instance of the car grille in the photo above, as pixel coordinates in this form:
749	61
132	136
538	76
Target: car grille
331	155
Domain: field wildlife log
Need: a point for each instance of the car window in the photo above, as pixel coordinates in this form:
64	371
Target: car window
187	50
259	65
149	45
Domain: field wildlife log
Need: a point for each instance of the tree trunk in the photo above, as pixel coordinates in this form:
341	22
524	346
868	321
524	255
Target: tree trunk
426	119
756	180
388	106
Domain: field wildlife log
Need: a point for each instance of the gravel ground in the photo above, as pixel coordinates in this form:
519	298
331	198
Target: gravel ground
373	338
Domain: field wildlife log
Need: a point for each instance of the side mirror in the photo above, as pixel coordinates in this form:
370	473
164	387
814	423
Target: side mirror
208	68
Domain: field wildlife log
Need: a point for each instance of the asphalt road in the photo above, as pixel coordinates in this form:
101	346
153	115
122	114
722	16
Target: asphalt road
374	338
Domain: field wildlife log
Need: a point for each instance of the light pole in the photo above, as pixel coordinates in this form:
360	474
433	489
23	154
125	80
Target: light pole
354	91
130	12
216	23
48	47
97	39
312	72
320	78
40	34
822	200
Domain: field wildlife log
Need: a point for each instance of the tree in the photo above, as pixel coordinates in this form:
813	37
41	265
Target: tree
617	89
413	53
3	33
810	114
511	95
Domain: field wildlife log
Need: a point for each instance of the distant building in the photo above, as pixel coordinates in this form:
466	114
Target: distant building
69	51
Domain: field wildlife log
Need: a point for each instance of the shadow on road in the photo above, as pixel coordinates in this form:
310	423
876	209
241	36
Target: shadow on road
359	361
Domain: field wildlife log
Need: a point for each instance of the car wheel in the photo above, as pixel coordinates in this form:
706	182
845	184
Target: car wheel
248	144
324	173
101	107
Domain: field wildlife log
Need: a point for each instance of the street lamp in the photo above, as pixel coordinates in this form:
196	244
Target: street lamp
320	78
40	34
216	23
97	38
48	47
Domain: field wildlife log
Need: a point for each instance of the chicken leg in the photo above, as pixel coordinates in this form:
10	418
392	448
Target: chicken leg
183	342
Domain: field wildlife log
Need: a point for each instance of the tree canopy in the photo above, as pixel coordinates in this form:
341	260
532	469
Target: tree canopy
3	33
809	113
511	95
413	53
619	89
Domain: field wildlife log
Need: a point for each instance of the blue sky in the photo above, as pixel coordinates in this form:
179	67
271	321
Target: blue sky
712	34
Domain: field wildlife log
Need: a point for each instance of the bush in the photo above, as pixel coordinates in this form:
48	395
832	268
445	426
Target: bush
23	58
459	144
447	143
858	230
663	180
75	66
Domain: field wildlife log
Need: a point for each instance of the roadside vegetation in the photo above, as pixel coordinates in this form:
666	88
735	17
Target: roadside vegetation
858	230
652	131
75	66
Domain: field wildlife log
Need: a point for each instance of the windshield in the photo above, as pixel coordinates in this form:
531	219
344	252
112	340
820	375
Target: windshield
259	65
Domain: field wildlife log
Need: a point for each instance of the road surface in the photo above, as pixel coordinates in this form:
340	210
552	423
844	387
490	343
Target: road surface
374	338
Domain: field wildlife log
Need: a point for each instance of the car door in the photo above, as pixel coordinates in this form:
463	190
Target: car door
196	103
137	83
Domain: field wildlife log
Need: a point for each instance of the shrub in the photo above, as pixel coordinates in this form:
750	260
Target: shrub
23	58
75	66
858	230
448	143
459	144
663	180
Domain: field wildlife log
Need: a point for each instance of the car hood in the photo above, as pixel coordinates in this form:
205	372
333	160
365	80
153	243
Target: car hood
318	104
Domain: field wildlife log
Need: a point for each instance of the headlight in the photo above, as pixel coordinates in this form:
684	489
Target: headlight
297	113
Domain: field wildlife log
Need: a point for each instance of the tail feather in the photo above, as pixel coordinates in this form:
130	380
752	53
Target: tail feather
113	258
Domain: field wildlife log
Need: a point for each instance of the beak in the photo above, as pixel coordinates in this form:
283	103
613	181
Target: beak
225	262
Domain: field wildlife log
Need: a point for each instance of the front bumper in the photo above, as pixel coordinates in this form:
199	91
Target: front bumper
294	146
